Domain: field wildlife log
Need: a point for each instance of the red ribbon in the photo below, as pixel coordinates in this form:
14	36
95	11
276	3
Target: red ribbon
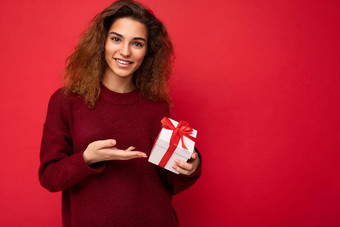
182	129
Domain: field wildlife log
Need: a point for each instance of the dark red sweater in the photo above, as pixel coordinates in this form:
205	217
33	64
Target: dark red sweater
112	193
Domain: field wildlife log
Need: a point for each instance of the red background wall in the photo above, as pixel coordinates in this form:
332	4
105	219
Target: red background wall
258	79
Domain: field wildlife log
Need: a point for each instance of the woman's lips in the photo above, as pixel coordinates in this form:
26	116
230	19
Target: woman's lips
123	62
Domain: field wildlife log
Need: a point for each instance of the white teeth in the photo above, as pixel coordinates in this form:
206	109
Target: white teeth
123	62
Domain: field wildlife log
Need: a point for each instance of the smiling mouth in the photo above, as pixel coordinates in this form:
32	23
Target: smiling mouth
123	62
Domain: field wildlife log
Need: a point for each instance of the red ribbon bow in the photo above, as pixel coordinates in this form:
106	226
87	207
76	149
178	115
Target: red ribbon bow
182	129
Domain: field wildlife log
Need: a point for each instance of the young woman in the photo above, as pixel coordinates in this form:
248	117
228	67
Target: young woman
100	127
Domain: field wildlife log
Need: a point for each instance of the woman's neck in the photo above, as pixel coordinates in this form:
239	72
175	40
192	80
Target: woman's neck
116	83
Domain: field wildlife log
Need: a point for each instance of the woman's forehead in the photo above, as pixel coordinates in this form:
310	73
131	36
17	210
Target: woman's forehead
129	28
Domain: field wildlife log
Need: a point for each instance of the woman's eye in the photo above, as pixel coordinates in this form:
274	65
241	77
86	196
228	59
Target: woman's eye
115	39
138	44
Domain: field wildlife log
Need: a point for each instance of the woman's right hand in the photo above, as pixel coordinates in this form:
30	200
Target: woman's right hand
105	150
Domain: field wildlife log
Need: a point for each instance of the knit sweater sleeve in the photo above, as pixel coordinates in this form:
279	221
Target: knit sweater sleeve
60	168
177	183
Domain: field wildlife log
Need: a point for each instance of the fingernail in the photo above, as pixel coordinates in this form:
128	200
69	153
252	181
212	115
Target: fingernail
176	161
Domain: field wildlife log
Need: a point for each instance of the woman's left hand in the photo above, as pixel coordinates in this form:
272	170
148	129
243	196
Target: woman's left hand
187	168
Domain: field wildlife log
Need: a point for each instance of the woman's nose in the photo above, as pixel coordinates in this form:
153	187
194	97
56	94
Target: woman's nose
125	50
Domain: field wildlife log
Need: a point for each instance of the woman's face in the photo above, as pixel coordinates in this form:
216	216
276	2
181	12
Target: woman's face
125	47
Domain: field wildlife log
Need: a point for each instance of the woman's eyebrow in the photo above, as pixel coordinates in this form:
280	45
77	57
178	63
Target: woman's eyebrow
117	34
120	35
139	38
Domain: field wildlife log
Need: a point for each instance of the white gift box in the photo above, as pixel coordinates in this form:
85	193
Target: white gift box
163	143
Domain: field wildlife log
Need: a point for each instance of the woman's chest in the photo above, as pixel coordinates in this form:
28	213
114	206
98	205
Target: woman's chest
129	127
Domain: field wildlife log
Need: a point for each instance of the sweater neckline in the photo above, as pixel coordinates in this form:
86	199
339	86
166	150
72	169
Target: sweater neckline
119	98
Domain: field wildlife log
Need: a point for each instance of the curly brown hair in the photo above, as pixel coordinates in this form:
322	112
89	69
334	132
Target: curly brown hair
86	65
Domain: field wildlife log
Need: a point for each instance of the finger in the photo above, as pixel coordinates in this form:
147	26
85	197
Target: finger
194	155
181	170
184	165
105	143
130	148
133	154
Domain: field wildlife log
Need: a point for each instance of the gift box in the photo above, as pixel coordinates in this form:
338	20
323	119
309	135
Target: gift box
176	140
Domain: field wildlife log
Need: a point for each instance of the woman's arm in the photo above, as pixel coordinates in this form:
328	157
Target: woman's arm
191	170
60	167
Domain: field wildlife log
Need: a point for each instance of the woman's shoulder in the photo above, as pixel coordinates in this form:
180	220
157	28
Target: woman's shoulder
62	100
58	94
61	106
61	96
